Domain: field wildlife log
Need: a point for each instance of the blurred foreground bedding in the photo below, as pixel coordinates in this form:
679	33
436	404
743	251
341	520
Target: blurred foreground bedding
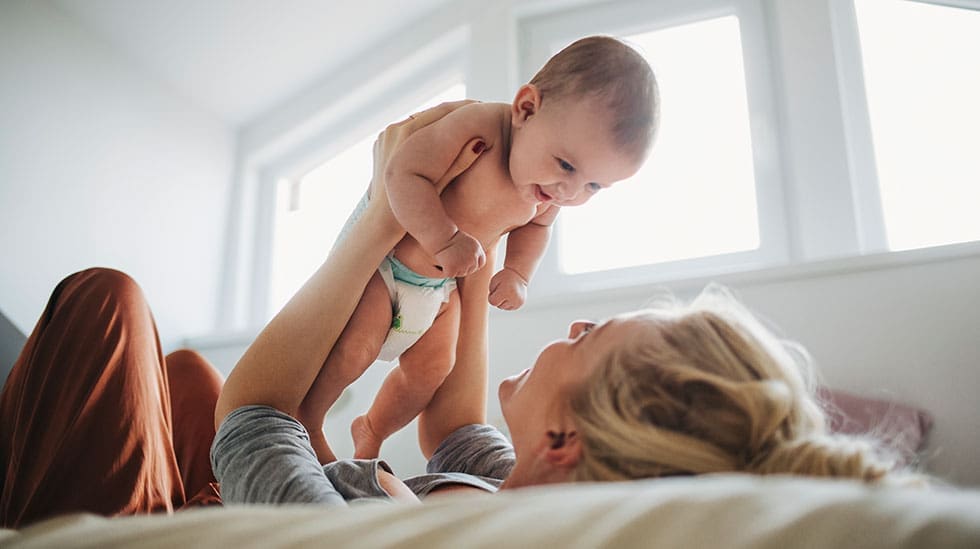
731	511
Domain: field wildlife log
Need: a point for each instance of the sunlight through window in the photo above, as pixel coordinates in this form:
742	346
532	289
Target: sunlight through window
696	194
309	218
922	76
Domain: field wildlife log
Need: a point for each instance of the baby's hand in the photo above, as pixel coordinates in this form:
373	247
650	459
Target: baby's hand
507	290
461	256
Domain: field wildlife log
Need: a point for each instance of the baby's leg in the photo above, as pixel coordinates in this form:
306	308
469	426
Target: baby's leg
409	387
355	350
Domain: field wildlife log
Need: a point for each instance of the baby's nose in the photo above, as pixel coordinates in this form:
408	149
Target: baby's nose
564	191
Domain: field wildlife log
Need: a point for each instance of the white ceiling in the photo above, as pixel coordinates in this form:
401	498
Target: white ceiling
240	58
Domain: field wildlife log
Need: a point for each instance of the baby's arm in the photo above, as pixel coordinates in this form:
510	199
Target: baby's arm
525	246
412	172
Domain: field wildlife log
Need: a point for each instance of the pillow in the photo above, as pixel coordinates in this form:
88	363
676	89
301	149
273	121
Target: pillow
900	428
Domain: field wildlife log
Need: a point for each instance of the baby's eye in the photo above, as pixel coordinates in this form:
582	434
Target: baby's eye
594	187
566	166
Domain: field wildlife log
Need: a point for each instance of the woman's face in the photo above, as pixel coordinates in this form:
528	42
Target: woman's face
534	398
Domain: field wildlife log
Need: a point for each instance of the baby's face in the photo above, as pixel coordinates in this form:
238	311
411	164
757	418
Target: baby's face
565	153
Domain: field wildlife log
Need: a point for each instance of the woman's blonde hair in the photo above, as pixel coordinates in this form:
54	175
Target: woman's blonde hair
706	388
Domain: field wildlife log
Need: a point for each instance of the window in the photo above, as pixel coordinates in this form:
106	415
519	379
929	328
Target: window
696	195
710	198
922	78
311	211
792	132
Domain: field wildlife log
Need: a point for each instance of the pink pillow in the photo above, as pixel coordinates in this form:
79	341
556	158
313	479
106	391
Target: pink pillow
901	428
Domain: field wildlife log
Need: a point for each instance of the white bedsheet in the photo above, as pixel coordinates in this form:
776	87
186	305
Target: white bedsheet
731	511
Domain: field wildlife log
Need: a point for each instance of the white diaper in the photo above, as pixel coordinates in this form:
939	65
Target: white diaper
356	214
413	307
415	299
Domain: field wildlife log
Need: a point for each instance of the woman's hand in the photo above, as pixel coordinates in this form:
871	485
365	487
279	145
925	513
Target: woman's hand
280	366
396	134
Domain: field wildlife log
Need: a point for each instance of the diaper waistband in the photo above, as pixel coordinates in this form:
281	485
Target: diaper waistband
400	272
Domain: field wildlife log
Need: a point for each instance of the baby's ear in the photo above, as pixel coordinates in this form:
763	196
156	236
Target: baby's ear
526	104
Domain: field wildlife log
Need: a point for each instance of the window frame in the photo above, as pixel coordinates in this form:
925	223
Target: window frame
338	138
538	33
289	142
334	138
816	185
864	180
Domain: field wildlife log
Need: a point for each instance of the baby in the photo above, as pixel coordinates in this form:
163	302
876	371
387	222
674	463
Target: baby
584	122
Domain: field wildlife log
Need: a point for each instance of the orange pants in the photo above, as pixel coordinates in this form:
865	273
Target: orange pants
93	417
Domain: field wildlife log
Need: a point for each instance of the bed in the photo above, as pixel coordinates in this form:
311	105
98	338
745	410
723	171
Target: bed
731	511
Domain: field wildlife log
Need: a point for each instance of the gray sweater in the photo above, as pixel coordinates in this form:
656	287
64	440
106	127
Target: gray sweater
261	455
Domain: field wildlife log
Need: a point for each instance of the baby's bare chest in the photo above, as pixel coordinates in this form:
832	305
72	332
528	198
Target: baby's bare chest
484	202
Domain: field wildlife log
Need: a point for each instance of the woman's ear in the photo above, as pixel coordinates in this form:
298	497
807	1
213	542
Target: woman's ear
564	449
526	104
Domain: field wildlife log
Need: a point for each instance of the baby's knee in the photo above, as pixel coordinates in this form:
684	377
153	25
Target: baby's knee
351	356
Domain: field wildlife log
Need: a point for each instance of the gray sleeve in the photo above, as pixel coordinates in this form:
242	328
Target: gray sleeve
261	455
476	449
423	485
357	478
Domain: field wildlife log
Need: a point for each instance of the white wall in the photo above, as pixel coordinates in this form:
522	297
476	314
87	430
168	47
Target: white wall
102	165
902	327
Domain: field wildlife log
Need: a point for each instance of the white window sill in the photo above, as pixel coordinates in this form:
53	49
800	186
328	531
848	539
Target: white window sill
749	276
740	279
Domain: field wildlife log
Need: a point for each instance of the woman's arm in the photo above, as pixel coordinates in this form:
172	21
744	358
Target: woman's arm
462	397
279	367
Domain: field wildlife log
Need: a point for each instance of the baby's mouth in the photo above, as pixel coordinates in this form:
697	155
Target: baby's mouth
540	194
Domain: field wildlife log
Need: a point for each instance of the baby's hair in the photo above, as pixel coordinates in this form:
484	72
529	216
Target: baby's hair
706	388
615	74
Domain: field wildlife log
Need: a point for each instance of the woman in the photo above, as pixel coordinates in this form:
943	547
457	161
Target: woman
670	391
93	418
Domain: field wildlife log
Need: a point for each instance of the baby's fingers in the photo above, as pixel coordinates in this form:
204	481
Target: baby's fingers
497	301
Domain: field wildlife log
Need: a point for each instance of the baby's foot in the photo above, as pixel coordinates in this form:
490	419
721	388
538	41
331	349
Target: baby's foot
367	444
